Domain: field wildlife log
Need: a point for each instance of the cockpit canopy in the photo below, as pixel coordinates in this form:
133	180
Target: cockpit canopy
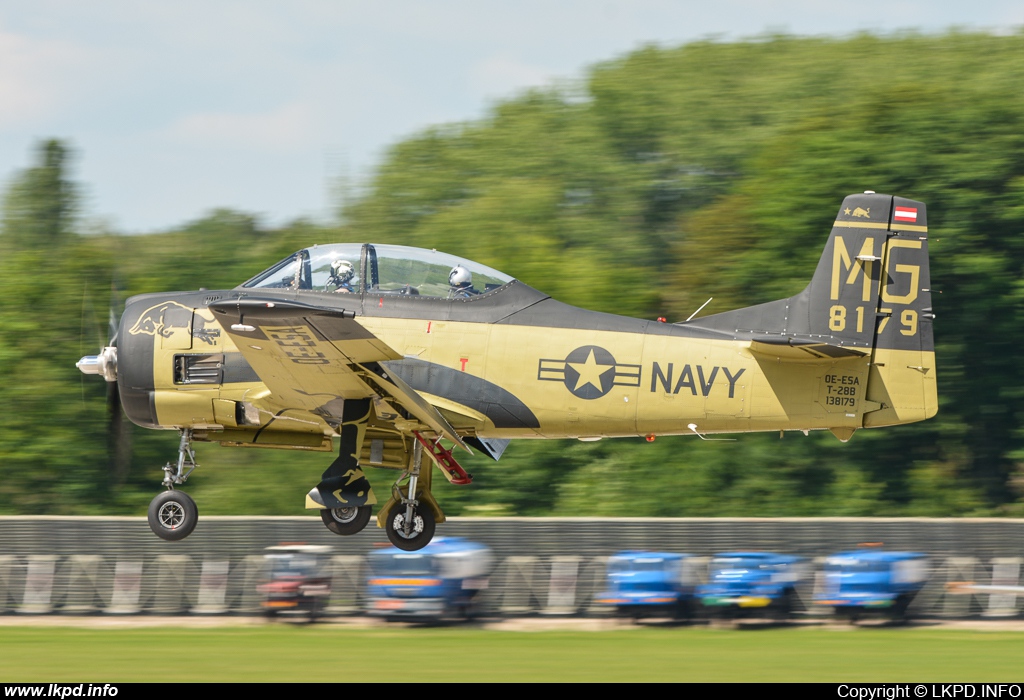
353	268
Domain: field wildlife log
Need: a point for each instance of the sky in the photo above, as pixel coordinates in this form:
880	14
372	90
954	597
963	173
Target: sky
273	107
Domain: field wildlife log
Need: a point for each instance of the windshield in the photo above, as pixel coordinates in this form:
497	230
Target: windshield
623	567
380	269
856	566
730	567
284	565
384	564
330	268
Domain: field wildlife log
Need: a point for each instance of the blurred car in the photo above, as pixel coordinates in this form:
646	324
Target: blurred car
872	581
650	584
764	583
441	581
297	580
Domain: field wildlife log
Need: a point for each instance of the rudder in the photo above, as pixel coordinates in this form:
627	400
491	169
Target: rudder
872	291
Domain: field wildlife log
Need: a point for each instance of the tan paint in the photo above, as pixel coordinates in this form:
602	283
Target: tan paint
661	384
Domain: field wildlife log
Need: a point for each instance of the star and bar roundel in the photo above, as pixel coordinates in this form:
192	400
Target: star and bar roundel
589	372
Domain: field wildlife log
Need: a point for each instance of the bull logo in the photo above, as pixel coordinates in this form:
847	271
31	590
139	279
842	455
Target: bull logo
166	318
862	213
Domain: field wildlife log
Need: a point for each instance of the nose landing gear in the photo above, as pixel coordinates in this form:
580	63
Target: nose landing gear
173	514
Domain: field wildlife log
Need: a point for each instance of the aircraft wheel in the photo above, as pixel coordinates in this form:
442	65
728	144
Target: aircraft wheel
346	521
173	515
420	532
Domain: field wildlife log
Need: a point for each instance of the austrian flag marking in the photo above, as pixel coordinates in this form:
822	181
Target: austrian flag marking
905	214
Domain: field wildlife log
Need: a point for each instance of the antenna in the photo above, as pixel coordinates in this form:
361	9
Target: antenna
698	310
693	427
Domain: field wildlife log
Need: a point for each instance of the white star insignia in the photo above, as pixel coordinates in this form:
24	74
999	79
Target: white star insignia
590	372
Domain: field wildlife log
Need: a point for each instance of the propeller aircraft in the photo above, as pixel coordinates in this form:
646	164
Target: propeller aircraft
393	352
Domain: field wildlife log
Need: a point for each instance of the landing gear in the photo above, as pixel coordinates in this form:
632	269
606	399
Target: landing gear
172	514
344	495
410	521
410	527
346	521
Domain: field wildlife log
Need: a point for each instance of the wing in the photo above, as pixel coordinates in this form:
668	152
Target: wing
314	358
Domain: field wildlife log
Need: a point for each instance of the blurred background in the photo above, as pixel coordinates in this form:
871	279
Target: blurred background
631	161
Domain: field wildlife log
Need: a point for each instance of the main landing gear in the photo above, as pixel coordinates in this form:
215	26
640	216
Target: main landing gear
347	520
409	521
173	514
410	516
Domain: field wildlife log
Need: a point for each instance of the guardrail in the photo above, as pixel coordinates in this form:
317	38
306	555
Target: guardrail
547	566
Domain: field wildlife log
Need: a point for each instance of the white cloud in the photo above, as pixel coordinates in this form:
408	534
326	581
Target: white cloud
286	128
37	76
501	74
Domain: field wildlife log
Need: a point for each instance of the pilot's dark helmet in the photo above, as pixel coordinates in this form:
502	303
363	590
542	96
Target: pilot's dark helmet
460	277
342	270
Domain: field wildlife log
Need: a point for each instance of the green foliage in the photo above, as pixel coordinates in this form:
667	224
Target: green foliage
670	176
39	207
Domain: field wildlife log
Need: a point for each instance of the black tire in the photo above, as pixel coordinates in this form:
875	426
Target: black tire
173	515
683	611
848	615
314	611
421	533
899	609
784	606
346	521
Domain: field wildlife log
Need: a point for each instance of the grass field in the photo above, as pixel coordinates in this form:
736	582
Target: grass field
328	653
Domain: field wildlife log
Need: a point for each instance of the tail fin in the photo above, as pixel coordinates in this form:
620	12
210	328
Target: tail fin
873	234
872	289
869	298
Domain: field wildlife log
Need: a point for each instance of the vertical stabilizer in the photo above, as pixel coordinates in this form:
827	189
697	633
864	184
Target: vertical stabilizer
868	305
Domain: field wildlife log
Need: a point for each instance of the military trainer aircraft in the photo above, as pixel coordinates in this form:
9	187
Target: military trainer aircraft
398	352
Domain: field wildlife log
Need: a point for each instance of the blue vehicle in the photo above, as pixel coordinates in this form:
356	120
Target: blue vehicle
764	583
440	581
650	584
872	581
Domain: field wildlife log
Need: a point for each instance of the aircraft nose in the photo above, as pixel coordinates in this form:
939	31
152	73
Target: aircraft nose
104	364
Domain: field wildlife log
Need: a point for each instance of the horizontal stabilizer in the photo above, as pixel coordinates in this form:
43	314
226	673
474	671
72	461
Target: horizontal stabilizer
785	348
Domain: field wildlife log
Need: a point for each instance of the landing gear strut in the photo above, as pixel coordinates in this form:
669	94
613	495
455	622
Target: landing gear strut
172	514
344	495
410	523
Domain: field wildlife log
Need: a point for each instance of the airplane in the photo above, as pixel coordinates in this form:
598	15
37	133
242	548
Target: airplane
395	351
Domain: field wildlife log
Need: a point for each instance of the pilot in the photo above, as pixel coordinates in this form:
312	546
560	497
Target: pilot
341	276
460	281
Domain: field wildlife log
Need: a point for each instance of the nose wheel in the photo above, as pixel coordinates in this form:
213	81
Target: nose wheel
173	515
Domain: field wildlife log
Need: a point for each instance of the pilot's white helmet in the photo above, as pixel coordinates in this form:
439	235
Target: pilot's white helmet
460	277
342	270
